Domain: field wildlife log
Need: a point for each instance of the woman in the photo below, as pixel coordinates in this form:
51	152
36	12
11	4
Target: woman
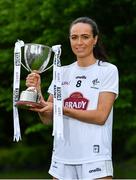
89	89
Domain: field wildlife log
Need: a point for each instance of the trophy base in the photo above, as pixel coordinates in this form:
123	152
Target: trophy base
28	104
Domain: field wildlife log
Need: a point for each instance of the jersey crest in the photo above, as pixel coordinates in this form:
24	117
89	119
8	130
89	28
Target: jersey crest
76	101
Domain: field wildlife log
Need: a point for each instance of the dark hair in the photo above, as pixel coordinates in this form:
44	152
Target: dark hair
99	52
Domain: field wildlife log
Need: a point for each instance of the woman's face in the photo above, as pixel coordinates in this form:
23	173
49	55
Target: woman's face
82	40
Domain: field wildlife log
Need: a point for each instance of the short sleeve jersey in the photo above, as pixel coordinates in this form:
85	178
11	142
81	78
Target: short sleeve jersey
85	142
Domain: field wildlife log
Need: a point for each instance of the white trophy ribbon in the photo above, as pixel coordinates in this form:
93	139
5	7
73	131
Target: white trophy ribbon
58	103
16	86
36	57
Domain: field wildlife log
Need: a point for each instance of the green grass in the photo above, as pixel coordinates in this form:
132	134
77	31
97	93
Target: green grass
29	174
122	170
125	170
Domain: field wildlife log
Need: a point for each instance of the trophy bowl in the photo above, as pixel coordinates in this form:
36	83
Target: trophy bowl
36	57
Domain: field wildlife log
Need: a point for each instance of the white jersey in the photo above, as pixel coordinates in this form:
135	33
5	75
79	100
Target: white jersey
85	142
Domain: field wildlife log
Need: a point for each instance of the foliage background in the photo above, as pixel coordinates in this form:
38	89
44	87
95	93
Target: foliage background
47	22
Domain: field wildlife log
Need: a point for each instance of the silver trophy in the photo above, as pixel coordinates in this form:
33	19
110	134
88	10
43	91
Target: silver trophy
36	57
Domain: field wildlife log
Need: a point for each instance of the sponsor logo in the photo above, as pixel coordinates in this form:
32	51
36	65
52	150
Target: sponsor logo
55	165
66	83
94	170
55	89
76	101
17	59
95	83
96	148
16	94
80	77
57	92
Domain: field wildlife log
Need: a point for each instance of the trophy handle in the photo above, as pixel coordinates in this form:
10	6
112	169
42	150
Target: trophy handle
46	68
41	71
26	67
42	68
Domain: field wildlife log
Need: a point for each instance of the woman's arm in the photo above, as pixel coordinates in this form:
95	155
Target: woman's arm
46	113
46	110
98	116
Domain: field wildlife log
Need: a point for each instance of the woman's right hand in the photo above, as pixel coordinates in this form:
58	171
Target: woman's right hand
34	80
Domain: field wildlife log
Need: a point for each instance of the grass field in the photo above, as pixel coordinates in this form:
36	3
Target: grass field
122	170
125	170
25	174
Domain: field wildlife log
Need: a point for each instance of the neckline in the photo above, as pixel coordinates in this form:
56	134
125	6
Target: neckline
87	67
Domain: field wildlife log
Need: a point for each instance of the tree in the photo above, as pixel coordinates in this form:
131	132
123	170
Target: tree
47	22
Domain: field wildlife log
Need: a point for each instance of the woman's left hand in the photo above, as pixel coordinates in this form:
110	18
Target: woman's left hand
45	106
